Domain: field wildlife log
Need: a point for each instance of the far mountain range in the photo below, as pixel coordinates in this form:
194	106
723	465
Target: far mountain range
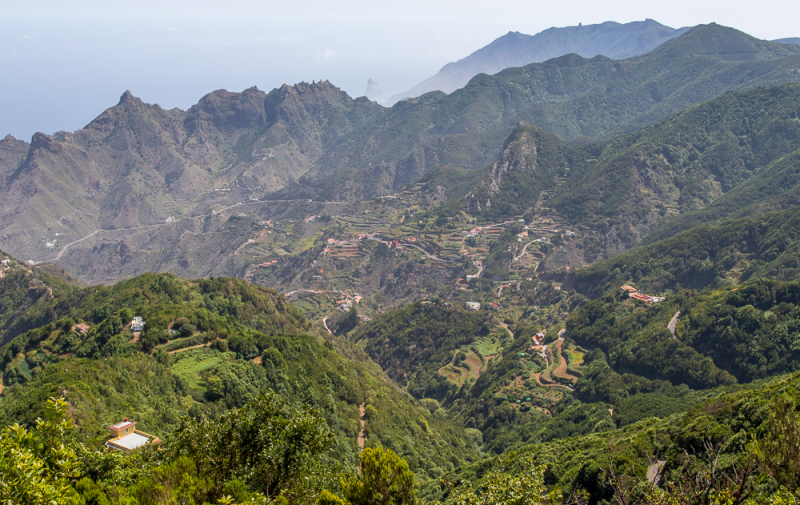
153	188
515	49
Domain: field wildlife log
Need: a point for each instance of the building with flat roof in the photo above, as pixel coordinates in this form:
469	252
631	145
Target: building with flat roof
137	325
125	436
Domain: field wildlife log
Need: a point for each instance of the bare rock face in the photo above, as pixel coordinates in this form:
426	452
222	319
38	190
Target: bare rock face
374	91
519	155
12	154
137	164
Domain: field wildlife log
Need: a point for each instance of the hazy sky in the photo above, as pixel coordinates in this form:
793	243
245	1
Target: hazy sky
64	62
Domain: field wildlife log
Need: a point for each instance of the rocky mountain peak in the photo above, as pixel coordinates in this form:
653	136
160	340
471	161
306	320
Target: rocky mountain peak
127	97
41	141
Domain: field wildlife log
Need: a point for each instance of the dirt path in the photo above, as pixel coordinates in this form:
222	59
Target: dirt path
523	253
325	324
654	472
561	369
362	413
673	322
500	289
155	225
505	325
317	292
430	256
537	376
474	364
187	348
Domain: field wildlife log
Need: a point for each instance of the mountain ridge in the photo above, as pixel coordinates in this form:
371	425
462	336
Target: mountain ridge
515	49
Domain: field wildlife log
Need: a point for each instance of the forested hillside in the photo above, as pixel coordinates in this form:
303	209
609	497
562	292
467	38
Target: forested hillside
576	281
757	247
725	446
208	346
575	98
743	333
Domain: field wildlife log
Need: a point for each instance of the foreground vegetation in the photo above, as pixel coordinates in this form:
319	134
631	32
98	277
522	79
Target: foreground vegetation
734	449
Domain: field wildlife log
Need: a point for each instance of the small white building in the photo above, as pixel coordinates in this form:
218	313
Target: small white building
137	325
473	305
125	437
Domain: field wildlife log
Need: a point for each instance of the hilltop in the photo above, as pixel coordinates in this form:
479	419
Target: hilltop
729	157
515	49
575	98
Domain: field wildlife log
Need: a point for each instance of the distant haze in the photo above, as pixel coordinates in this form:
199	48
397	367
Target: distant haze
63	63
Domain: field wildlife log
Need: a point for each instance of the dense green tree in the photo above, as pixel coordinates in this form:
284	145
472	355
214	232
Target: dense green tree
38	466
384	479
275	450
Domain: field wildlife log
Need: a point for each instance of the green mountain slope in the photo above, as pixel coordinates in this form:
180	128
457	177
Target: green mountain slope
570	96
757	247
209	346
585	462
771	187
614	40
432	349
30	296
746	332
732	156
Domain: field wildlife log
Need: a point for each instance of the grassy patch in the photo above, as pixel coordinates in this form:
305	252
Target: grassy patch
189	364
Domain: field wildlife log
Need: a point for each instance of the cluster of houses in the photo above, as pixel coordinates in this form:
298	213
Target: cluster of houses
345	304
393	244
538	345
477	305
268	264
636	295
473	232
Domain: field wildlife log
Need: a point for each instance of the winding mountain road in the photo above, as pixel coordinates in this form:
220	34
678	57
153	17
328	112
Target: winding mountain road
523	252
156	225
674	322
429	255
